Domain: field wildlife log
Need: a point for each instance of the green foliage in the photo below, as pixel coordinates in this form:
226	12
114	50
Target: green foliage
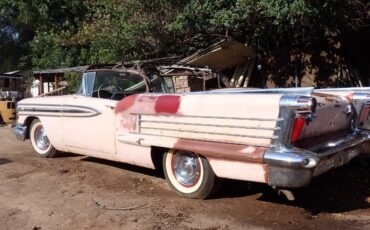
61	33
73	79
30	23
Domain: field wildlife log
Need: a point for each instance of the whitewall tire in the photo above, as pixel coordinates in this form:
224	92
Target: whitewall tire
39	140
188	174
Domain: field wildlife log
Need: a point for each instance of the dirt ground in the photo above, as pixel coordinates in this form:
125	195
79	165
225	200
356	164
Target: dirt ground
69	192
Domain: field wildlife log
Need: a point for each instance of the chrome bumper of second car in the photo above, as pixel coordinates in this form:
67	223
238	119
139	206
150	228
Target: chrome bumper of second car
21	132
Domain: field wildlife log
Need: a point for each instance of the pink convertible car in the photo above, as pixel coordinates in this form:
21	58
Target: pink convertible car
281	137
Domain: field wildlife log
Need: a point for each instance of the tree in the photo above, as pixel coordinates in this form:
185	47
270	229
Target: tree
292	37
28	22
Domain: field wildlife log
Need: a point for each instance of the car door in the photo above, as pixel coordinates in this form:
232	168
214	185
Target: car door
89	122
89	125
89	119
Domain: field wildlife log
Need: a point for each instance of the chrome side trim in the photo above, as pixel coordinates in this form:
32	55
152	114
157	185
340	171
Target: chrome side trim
214	117
210	125
51	110
211	133
354	89
56	105
55	115
195	139
20	132
286	91
56	110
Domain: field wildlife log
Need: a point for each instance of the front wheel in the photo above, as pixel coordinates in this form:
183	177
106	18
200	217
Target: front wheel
40	142
189	174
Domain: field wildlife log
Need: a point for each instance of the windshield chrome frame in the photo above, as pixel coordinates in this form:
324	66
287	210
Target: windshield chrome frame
83	84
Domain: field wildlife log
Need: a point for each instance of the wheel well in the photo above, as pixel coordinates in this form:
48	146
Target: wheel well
28	123
157	154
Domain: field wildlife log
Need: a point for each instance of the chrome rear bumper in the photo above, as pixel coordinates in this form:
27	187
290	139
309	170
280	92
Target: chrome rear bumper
293	167
21	132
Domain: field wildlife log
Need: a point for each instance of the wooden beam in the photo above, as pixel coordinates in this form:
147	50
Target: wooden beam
41	86
250	70
56	81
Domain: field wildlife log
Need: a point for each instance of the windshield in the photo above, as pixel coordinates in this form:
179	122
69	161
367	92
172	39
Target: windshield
111	84
122	81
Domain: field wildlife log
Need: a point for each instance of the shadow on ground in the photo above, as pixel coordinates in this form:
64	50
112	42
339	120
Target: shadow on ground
66	155
344	189
4	161
125	166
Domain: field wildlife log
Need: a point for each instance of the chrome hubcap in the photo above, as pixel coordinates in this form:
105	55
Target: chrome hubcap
186	168
42	141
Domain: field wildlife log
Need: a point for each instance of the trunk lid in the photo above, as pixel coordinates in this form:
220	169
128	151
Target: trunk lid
333	114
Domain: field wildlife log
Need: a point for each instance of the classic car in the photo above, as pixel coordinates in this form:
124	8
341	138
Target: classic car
281	137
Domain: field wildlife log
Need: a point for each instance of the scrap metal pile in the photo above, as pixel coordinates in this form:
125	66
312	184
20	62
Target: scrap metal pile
223	65
226	64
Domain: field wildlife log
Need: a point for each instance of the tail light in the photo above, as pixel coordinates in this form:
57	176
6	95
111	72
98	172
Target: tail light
305	104
298	126
364	115
361	103
305	107
297	111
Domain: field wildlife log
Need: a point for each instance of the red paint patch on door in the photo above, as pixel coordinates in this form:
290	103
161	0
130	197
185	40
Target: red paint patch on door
167	104
124	104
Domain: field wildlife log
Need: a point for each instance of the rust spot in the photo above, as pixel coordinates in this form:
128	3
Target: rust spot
328	97
147	98
125	103
320	104
325	95
129	122
222	150
266	170
349	97
167	104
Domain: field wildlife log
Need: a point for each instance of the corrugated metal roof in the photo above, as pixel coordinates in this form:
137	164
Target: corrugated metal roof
10	76
222	55
62	70
14	72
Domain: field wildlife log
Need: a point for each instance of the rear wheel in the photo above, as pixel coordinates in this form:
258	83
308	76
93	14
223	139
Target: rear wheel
189	174
39	140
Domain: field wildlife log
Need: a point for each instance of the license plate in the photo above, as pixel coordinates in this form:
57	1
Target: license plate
338	159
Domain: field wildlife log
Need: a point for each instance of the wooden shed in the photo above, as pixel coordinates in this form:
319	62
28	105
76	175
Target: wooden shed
12	84
50	80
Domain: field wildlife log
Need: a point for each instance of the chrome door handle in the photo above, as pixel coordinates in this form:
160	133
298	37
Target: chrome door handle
110	106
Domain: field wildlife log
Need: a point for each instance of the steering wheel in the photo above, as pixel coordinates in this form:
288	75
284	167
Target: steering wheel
102	94
117	90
